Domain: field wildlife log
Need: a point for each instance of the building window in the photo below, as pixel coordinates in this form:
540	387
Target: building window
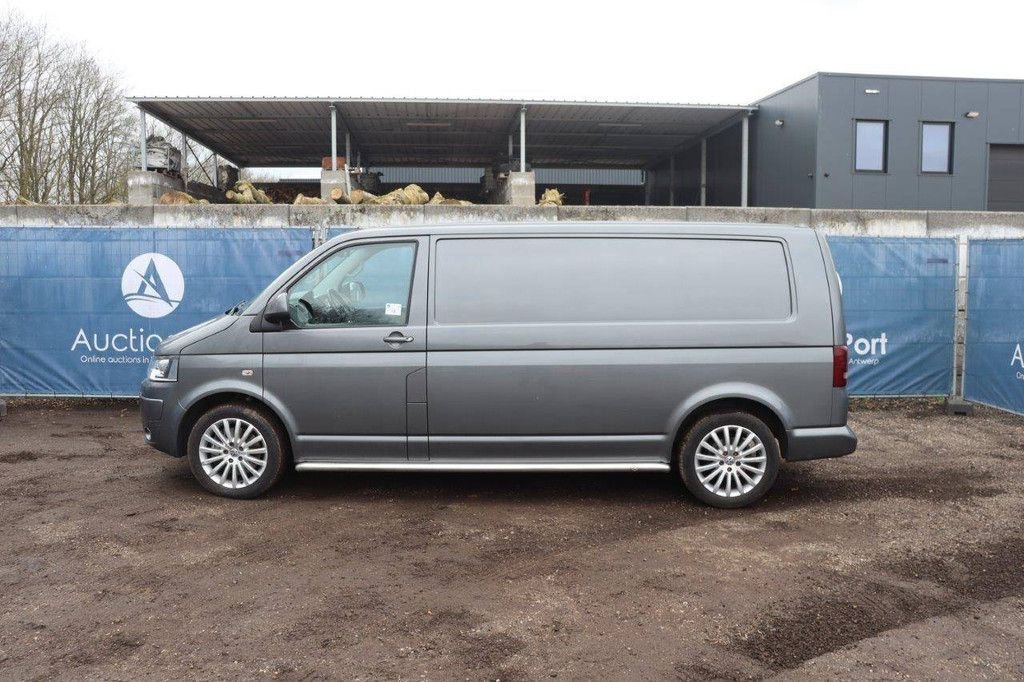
872	146
936	147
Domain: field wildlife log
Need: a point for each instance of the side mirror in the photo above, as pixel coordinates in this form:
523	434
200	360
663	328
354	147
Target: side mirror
277	309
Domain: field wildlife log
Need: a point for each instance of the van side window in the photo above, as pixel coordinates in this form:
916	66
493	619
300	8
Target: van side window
610	280
360	286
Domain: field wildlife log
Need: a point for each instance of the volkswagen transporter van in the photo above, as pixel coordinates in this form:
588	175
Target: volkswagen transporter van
714	351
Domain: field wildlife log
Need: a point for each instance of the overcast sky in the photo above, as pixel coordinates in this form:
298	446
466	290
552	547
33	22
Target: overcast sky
723	52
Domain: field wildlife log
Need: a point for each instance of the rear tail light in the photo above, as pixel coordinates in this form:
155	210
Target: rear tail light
840	358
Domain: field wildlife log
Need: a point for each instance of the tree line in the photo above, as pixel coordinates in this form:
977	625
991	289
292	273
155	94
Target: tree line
67	135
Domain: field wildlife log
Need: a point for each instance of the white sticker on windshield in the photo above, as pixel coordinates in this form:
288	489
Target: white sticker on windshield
393	309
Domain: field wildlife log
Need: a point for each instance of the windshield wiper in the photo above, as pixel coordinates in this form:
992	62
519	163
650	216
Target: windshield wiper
237	308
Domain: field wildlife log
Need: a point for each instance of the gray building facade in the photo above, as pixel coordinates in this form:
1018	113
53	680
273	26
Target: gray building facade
890	142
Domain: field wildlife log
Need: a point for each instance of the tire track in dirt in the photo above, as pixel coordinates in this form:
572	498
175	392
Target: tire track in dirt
890	594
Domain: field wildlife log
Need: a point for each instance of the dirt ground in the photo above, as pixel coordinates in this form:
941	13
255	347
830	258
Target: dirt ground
905	559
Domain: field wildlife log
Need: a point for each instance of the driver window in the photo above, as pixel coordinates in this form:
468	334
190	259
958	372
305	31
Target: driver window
361	286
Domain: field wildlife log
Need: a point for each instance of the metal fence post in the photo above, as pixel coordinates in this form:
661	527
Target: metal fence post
956	403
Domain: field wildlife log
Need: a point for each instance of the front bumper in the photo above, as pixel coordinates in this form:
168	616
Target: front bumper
156	403
820	443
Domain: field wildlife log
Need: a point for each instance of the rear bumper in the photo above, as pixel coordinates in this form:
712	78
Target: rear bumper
820	443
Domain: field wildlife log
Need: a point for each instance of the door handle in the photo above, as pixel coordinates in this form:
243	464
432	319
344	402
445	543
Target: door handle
398	337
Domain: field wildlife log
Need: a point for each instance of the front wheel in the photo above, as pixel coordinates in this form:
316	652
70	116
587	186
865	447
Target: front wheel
729	459
236	451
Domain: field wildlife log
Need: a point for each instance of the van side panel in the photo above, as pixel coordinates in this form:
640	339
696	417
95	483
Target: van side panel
508	404
593	346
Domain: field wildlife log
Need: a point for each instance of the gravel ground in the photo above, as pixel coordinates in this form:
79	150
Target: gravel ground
902	560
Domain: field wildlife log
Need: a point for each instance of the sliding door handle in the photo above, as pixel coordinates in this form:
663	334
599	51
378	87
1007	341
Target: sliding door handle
398	337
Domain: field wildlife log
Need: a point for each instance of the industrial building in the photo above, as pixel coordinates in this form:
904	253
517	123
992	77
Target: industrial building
829	141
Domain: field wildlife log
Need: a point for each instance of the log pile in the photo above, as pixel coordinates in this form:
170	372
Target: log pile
440	200
175	197
244	192
303	200
551	197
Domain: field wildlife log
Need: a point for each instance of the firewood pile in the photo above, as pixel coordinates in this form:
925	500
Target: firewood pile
551	197
174	197
244	192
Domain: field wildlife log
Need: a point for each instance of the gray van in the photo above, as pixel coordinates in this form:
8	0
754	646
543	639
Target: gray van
714	350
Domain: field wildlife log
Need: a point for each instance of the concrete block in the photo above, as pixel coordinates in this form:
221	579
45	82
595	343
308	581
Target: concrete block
871	223
976	224
221	215
8	216
146	187
800	217
82	215
959	406
488	213
517	189
329	180
623	213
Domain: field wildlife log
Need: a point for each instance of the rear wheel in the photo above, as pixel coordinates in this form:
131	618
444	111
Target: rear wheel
236	451
729	459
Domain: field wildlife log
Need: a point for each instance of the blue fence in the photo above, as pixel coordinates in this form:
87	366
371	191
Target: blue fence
994	351
899	301
82	308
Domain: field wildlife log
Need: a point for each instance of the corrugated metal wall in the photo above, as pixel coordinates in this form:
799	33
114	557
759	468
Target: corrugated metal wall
564	176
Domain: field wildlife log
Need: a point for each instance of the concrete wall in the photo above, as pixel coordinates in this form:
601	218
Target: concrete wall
856	222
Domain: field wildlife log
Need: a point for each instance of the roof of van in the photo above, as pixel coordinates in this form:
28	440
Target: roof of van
585	227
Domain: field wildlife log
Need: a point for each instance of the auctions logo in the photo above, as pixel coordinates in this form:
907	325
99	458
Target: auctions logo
152	285
1018	359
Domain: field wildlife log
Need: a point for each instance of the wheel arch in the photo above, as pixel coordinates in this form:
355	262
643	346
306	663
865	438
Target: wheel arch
207	402
765	406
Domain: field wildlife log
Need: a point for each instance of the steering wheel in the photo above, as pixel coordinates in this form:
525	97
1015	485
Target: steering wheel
342	307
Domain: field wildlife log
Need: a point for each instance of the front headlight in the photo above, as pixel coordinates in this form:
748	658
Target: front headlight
162	369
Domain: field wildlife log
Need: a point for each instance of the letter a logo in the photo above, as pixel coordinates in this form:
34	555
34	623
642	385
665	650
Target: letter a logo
152	285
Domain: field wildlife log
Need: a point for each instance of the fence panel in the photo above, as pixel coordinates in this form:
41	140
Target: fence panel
899	301
82	308
994	351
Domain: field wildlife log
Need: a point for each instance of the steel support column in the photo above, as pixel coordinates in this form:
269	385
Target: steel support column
704	171
745	162
522	139
672	180
334	138
184	160
348	147
142	140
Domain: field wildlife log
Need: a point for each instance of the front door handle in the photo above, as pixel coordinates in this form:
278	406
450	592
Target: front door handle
398	337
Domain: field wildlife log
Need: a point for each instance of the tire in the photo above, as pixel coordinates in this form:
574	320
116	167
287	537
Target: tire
237	451
738	457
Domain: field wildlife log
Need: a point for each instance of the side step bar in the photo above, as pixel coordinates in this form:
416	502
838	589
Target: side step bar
482	466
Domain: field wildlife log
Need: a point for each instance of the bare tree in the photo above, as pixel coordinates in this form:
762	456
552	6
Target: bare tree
65	129
95	133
